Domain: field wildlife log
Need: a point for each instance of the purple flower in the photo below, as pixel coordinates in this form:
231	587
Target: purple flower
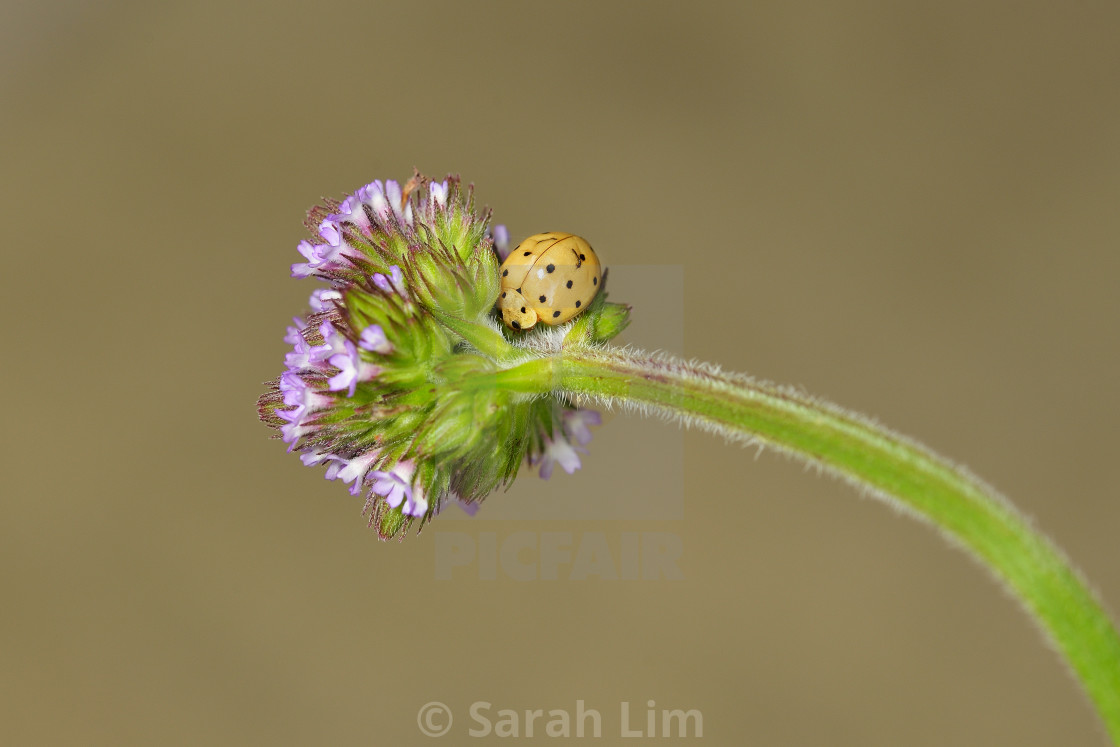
311	458
557	452
321	299
417	503
337	463
292	336
331	232
373	338
351	369
387	285
351	211
333	344
576	424
320	257
334	468
296	427
470	509
438	191
301	357
298	393
396	487
323	257
385	200
500	235
365	194
354	470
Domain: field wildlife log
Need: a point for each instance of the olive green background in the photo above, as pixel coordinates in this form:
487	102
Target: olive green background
907	208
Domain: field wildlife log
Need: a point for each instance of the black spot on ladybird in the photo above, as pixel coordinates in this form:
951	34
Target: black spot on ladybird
569	284
542	299
505	272
578	304
527	253
522	309
550	268
582	257
555	314
594	281
516	324
503	294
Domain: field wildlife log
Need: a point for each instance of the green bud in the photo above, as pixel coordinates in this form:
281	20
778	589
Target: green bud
613	318
602	321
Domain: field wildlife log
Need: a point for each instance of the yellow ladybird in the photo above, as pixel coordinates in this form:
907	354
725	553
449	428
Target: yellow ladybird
549	277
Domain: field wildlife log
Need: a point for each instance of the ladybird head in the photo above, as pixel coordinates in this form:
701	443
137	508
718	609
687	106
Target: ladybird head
516	311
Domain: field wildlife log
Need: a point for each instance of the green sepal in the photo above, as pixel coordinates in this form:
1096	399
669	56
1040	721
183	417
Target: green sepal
602	321
610	322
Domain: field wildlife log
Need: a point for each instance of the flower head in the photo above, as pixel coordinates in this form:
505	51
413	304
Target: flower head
396	378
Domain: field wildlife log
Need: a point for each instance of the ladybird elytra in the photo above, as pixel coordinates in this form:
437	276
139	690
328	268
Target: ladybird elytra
550	277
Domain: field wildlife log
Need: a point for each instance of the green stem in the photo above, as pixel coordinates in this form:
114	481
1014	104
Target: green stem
534	376
892	467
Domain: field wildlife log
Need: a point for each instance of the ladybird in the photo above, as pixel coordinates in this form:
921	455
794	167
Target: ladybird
550	277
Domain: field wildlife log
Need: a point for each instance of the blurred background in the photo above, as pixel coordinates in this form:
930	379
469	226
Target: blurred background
909	209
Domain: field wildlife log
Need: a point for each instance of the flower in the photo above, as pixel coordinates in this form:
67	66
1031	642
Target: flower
373	339
350	210
500	236
321	299
387	285
417	502
311	458
396	487
296	426
352	369
319	257
298	393
470	509
576	424
301	356
292	336
334	343
385	200
354	470
323	258
557	451
407	316
438	192
331	231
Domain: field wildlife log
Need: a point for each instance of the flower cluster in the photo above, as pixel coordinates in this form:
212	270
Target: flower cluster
397	379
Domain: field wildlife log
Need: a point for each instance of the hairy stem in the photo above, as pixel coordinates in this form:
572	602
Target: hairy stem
891	467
